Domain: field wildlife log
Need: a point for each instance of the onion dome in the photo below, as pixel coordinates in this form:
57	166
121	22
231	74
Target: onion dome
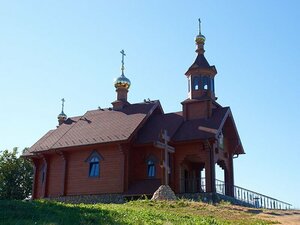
200	39
122	82
62	116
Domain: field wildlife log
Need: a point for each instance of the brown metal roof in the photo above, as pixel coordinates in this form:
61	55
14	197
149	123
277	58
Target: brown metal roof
147	119
96	126
150	132
179	129
189	130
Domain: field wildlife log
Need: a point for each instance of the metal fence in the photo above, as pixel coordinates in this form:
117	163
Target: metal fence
253	198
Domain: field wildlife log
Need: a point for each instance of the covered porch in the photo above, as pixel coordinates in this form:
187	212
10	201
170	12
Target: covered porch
198	175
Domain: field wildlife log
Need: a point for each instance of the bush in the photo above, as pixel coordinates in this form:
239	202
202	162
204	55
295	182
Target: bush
15	175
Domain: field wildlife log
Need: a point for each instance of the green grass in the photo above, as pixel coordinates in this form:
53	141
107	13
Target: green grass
134	212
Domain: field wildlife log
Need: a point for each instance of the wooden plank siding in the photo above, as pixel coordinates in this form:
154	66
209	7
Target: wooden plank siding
55	175
111	172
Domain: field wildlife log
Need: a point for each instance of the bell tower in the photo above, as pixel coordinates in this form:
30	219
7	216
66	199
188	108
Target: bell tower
201	88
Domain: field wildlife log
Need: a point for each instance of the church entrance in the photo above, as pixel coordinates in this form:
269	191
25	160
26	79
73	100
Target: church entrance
192	177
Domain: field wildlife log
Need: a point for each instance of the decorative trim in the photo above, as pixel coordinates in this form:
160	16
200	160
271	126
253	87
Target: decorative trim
94	153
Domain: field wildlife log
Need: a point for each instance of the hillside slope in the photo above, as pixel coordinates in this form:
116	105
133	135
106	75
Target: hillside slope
134	212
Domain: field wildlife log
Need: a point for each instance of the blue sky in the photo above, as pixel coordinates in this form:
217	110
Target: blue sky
70	49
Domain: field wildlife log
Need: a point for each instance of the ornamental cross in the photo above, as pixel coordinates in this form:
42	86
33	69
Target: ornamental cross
62	104
163	144
199	26
123	54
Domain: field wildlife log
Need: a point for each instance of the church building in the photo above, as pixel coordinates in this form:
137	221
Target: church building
133	148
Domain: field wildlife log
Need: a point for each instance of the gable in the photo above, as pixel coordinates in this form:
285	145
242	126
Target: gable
231	134
156	123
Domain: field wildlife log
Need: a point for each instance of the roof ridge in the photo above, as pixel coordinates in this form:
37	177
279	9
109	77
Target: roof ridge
66	131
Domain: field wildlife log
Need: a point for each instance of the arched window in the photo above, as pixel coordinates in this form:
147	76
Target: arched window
151	168
221	140
205	83
212	85
94	170
43	173
94	164
196	83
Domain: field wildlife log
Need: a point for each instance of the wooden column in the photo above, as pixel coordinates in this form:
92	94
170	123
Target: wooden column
125	151
229	177
44	193
210	170
33	195
64	172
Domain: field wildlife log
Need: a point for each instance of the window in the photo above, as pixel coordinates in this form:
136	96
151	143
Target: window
94	164
94	167
212	85
205	83
43	173
151	168
221	140
196	83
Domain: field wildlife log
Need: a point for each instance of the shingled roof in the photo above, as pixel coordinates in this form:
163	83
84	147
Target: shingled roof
96	126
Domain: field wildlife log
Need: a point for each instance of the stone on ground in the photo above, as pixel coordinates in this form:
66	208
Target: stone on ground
164	192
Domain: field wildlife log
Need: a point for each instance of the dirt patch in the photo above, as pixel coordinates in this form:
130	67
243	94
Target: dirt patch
286	217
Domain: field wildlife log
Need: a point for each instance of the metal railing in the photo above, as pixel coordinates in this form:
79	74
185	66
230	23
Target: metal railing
244	195
193	185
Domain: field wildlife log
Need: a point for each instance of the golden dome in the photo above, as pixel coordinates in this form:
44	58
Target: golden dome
122	82
200	39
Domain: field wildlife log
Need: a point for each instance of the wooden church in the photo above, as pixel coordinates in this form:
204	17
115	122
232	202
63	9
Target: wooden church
133	148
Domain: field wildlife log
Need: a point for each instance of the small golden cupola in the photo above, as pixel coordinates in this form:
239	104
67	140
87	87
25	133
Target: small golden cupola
62	117
122	85
200	40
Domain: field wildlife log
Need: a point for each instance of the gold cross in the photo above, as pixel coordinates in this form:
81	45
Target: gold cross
123	54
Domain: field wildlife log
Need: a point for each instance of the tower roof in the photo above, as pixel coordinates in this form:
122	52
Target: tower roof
200	62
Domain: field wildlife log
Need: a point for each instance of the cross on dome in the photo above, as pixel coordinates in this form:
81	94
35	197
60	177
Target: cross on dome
122	68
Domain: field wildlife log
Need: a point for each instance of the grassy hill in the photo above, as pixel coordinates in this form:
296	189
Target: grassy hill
134	212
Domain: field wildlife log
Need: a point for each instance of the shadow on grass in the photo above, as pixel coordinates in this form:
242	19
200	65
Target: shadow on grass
46	213
283	213
254	211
